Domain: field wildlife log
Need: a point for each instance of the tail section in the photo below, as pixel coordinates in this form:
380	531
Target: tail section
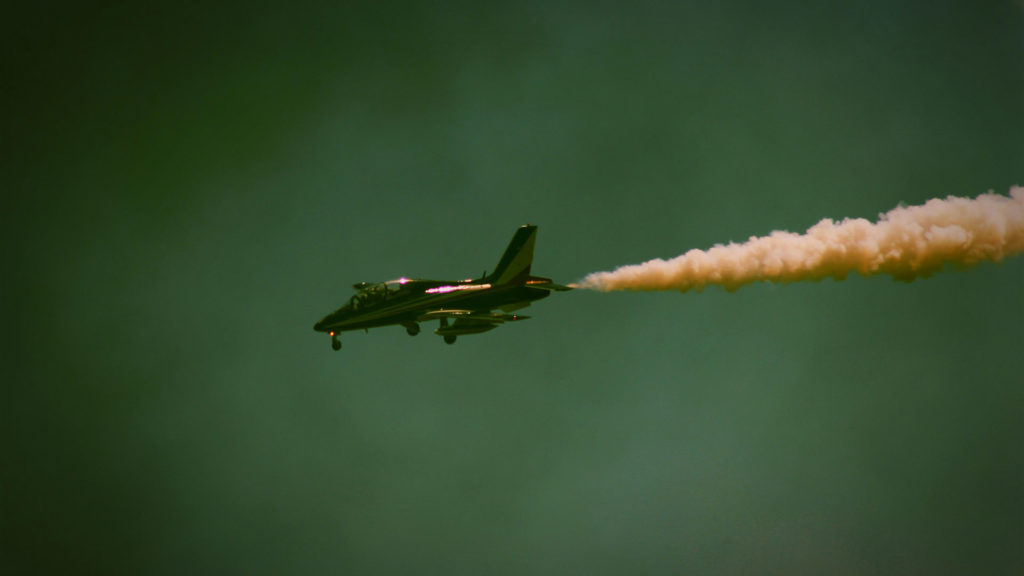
515	263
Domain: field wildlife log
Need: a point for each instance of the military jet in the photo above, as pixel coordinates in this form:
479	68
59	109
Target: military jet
460	306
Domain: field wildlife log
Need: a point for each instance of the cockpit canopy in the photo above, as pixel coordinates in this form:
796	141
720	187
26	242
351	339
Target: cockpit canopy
370	293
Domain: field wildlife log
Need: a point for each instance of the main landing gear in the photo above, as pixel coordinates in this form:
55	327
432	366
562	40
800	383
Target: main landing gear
412	329
449	338
335	343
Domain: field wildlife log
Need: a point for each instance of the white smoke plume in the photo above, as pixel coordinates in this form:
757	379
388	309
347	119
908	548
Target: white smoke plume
906	243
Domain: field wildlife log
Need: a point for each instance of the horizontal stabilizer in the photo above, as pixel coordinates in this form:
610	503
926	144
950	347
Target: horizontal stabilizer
546	284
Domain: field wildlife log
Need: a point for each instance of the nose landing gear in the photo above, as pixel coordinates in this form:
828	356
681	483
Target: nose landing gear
335	343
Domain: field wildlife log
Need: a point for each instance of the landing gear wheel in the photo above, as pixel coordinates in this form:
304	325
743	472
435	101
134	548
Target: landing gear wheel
335	343
449	339
412	329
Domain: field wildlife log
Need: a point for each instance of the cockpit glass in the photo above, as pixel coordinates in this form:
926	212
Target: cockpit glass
371	294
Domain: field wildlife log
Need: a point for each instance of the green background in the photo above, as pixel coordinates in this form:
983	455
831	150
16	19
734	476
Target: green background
188	188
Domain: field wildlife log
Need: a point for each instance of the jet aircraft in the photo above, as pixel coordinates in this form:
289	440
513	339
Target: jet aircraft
460	306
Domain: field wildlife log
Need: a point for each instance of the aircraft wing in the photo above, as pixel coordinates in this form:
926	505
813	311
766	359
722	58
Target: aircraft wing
471	315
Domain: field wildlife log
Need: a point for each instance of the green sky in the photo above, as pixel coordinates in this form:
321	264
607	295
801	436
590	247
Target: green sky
188	189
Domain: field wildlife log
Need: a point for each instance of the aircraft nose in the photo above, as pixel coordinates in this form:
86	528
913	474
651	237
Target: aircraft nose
329	322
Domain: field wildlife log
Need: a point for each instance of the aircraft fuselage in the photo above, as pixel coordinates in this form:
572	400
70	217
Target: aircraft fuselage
460	306
407	304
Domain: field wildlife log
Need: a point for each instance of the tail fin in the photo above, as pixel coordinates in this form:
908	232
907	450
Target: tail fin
515	263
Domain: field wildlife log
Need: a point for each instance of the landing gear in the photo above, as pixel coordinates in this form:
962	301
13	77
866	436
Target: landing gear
412	329
449	338
335	343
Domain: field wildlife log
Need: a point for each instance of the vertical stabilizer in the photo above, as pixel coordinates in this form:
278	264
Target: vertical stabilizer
515	263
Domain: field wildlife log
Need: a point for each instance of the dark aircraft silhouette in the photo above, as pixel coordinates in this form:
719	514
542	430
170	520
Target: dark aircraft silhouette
468	304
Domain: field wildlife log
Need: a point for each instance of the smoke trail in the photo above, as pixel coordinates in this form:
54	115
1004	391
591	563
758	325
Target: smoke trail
906	243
